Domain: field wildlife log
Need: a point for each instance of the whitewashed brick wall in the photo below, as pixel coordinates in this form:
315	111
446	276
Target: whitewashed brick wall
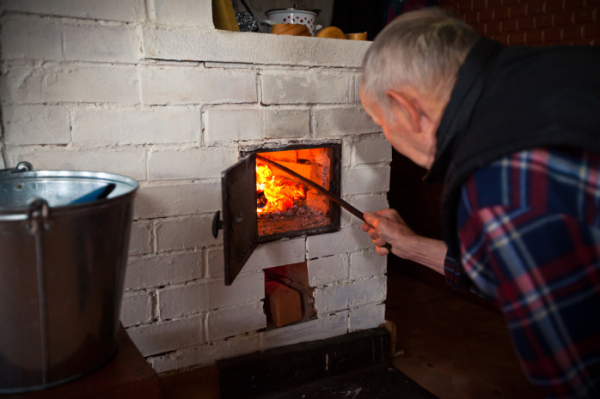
86	85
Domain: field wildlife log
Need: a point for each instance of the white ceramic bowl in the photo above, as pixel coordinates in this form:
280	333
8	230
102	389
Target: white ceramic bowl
293	16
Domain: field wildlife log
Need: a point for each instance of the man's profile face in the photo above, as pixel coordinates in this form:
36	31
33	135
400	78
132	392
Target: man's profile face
395	131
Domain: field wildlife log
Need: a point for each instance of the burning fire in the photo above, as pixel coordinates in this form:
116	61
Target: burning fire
275	193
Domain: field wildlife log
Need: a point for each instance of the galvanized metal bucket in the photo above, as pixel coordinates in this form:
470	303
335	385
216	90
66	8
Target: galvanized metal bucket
62	267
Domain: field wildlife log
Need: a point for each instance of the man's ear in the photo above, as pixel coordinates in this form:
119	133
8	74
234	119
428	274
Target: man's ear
410	104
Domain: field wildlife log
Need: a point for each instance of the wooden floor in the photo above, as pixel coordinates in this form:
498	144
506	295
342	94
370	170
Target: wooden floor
452	347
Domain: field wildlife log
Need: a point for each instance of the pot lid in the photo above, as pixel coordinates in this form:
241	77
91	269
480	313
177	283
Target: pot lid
295	8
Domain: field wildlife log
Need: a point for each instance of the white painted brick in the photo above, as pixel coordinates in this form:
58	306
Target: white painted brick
73	83
233	347
184	12
243	345
247	47
167	336
276	253
346	218
207	354
332	298
231	65
177	199
184	300
366	180
347	151
339	121
31	37
101	43
215	262
357	82
192	163
327	270
233	125
130	162
302	87
21	84
368	291
228	322
153	125
286	123
91	84
326	327
367	264
36	124
158	270
189	357
348	239
364	202
350	294
173	361
114	10
184	233
247	287
136	308
373	149
200	296
141	238
195	85
367	317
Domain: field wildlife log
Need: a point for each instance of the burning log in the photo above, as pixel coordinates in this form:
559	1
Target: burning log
274	192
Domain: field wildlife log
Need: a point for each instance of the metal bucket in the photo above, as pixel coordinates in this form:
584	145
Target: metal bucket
62	268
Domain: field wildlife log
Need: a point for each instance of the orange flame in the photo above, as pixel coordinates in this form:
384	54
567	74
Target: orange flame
280	193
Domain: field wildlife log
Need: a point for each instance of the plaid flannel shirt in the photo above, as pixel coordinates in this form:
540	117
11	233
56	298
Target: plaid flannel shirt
529	227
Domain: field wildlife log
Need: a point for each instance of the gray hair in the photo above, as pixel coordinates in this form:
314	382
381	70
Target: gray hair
422	48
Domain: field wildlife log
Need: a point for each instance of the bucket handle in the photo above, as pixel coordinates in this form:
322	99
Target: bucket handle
38	221
23	166
38	216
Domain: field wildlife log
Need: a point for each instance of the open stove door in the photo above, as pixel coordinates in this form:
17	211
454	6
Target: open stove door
240	229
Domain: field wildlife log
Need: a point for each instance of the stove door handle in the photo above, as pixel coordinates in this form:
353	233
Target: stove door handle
217	224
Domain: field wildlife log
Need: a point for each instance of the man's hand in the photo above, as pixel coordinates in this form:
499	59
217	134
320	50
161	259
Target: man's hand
386	226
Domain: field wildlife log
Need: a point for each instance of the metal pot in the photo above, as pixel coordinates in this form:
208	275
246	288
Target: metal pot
293	16
62	269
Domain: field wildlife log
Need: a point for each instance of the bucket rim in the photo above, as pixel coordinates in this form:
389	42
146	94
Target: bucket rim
20	213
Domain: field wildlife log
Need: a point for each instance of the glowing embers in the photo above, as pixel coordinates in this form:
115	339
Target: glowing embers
286	207
275	193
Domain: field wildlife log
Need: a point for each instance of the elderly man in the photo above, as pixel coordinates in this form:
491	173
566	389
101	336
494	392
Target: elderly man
514	133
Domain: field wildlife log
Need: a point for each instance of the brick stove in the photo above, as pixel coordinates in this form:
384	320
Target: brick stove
151	90
262	203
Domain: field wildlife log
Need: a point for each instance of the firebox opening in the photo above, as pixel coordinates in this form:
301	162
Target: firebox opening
288	297
287	207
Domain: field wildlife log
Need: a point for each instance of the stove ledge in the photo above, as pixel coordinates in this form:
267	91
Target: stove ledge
251	48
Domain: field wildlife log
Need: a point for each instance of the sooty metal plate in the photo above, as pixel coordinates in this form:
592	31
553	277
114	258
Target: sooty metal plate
240	231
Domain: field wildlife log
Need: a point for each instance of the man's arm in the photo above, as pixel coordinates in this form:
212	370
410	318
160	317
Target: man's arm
386	226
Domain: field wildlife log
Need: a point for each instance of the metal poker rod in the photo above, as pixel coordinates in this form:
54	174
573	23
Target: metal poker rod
335	198
317	187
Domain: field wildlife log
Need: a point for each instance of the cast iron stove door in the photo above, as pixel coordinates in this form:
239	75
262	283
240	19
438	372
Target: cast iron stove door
240	231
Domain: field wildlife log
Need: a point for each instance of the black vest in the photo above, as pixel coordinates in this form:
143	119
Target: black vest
513	99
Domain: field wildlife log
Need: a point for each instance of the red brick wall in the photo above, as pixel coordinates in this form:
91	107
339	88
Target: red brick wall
531	22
